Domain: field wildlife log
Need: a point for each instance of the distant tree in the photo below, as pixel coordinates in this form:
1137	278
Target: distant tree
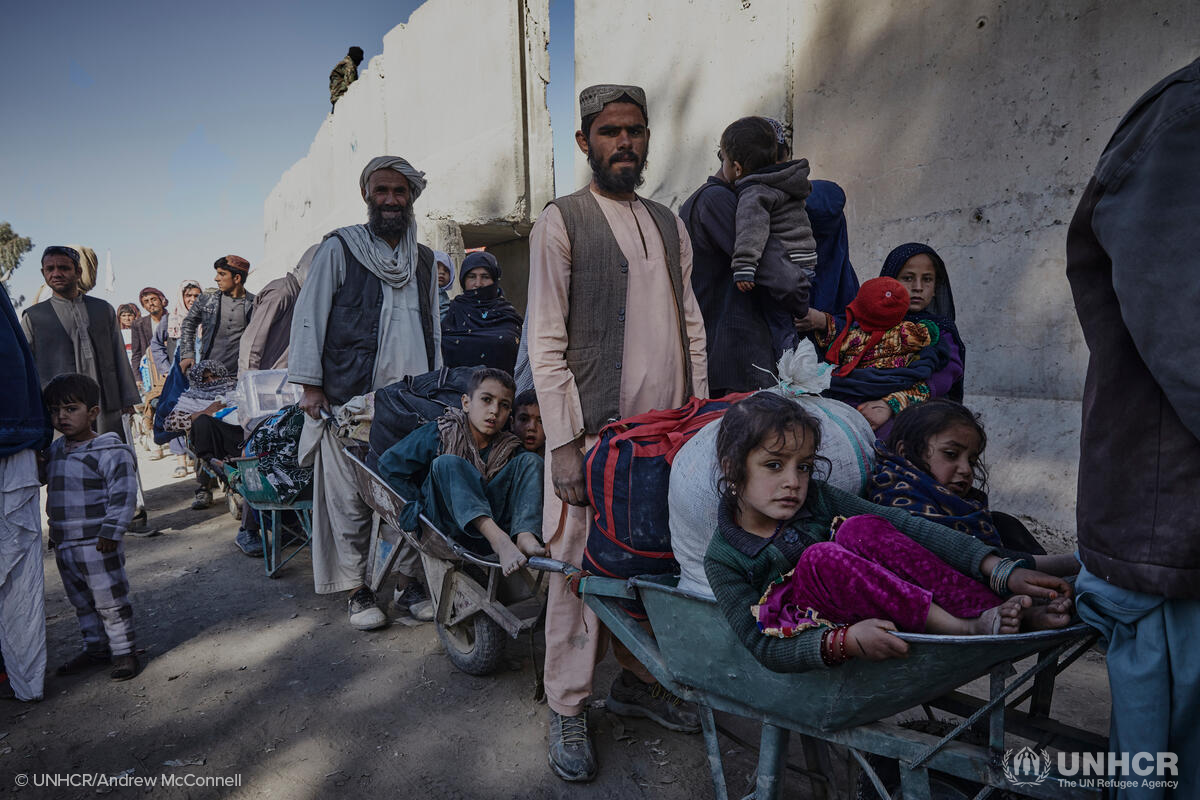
12	248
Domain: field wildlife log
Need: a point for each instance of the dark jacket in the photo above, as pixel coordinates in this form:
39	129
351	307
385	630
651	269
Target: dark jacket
734	322
352	336
23	420
1133	260
54	353
735	326
143	335
205	315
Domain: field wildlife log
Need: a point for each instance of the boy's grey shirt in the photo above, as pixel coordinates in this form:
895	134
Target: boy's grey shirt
91	490
770	202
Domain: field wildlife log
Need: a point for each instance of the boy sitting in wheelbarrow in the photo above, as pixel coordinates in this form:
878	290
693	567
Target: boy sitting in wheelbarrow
470	477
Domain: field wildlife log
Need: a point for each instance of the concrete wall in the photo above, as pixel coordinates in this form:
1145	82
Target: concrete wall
476	123
972	125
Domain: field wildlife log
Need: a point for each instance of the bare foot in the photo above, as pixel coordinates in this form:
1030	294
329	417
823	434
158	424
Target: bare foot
1044	616
528	544
511	558
1004	618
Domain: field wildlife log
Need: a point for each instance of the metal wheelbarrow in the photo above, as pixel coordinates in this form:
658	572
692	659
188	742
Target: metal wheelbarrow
846	705
475	606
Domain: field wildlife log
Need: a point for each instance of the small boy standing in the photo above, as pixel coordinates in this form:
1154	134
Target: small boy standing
91	494
470	477
527	422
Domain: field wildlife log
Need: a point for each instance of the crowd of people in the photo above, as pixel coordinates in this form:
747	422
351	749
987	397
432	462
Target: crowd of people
631	308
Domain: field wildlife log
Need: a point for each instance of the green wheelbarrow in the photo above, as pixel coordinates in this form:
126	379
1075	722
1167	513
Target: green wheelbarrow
247	480
848	705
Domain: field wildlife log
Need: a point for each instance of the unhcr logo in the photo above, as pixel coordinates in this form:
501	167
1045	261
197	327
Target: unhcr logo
1029	767
1026	767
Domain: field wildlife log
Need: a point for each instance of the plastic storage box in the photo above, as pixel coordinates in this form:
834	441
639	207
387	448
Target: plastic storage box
262	392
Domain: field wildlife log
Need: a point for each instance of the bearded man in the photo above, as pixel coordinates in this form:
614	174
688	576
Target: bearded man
366	316
614	331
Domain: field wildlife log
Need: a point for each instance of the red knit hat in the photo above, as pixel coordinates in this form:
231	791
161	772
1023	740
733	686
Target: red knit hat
880	304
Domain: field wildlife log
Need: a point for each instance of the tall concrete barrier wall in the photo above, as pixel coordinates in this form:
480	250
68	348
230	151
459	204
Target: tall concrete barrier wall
460	92
970	125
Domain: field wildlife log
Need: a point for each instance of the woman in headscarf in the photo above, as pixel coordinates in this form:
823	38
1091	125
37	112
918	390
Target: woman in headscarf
923	272
445	277
162	350
481	328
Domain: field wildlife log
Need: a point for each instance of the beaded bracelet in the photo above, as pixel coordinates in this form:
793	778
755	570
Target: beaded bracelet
833	645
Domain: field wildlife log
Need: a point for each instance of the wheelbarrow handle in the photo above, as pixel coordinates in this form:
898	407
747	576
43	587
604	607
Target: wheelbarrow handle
551	565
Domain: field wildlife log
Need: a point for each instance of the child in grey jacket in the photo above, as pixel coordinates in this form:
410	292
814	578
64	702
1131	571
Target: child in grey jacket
91	495
774	246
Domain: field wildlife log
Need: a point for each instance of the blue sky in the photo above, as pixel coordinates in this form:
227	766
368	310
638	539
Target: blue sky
155	130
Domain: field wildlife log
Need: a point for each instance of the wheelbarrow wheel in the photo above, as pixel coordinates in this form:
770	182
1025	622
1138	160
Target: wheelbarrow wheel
474	645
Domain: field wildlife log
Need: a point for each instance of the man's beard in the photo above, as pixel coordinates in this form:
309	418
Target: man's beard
389	227
617	182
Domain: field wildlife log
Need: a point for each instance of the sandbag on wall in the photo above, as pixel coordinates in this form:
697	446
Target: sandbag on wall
847	441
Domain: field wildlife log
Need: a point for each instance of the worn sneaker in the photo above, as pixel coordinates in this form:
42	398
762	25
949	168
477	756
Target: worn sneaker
413	602
571	755
124	667
630	697
203	500
365	615
249	543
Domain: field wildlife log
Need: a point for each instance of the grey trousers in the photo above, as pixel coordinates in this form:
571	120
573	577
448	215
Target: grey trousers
342	523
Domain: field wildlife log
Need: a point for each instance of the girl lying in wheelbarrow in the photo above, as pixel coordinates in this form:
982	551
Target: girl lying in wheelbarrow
808	575
471	478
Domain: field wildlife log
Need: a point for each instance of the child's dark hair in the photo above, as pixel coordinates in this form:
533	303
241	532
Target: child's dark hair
761	417
490	373
71	387
525	398
916	425
751	142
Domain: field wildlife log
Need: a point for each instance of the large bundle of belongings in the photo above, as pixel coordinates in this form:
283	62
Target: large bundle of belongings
275	442
847	442
404	406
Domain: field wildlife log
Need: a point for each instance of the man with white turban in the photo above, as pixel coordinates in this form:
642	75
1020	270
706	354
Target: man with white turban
366	316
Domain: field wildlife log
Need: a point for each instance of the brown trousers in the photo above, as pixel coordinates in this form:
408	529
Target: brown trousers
575	639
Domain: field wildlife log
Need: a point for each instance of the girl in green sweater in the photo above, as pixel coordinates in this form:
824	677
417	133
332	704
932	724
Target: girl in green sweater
826	575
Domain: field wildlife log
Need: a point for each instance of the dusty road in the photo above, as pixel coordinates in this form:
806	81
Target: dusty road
261	684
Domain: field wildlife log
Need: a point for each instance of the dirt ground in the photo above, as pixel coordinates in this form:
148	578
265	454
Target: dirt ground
261	682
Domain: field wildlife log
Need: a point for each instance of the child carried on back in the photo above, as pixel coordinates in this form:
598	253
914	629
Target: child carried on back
808	575
774	246
471	478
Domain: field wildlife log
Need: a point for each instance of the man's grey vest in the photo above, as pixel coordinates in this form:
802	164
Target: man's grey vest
56	350
596	316
352	335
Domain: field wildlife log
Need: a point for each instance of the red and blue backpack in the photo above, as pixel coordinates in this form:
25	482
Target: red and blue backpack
628	478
